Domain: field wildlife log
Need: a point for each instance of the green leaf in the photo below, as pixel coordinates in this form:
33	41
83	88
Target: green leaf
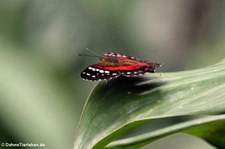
210	128
117	106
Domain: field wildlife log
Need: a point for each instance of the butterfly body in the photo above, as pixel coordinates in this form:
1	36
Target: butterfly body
113	65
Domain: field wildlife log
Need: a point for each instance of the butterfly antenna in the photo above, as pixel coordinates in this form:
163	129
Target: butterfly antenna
88	55
94	53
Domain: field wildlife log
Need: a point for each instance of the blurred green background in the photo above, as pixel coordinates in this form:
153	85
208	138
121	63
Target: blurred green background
41	92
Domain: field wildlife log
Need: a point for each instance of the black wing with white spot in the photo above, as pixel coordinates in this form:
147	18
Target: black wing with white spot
93	73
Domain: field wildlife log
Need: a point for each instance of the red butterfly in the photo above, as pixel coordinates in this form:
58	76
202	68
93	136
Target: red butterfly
113	65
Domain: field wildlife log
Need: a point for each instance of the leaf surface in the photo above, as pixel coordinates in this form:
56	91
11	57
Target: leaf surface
115	107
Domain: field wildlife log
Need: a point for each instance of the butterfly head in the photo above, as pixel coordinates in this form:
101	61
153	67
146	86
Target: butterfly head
152	67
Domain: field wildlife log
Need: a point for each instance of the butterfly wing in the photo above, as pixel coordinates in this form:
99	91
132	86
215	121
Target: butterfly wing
130	66
135	69
114	65
98	72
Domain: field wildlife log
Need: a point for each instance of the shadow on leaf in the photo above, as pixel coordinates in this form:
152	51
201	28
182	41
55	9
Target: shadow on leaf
135	84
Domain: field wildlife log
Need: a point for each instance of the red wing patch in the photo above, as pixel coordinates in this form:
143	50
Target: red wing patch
114	65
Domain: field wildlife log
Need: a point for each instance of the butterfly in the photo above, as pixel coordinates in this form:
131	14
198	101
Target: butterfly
113	65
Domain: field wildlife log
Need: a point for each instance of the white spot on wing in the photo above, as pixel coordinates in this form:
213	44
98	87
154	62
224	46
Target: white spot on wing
101	71
106	71
110	54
